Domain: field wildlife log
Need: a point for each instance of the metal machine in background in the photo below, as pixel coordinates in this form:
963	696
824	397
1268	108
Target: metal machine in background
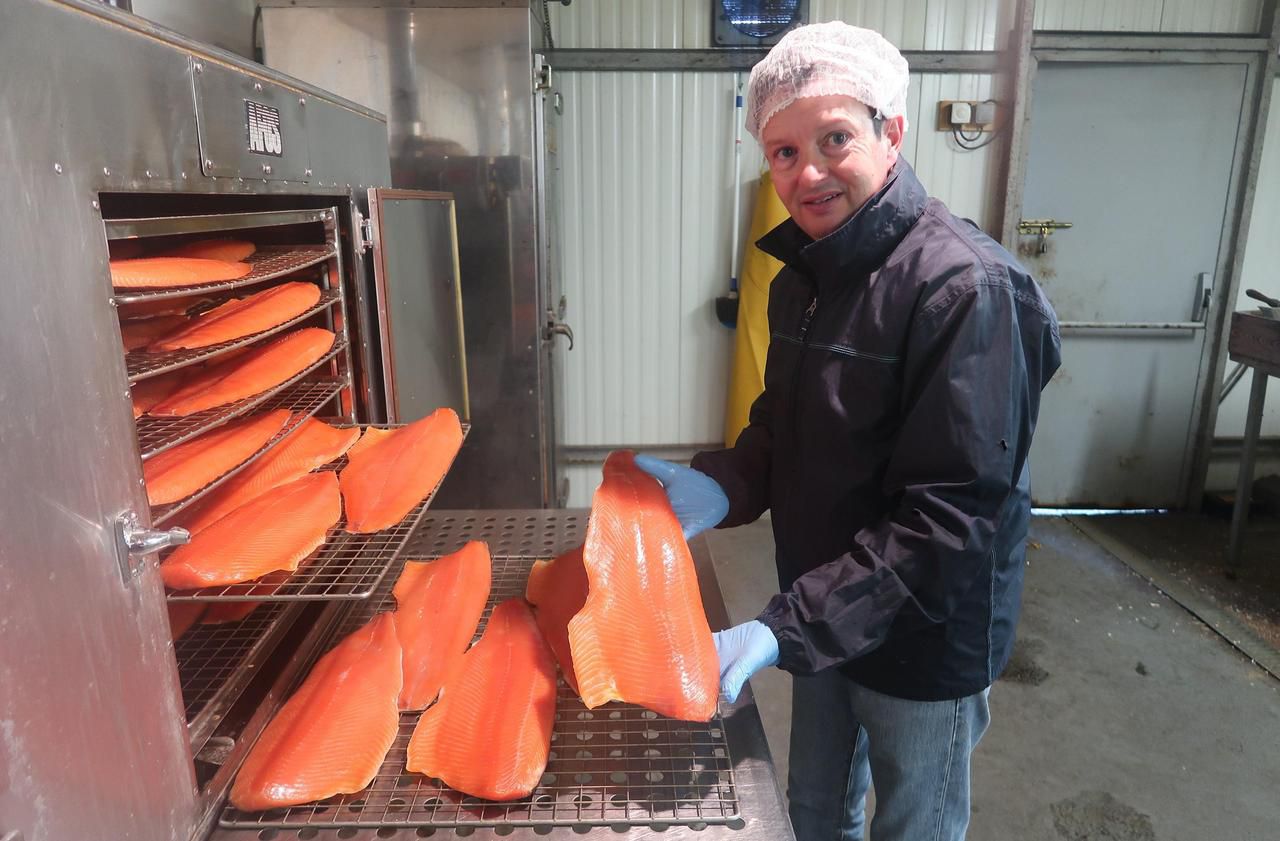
467	112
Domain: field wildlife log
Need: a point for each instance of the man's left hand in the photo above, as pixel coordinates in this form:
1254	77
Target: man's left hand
743	650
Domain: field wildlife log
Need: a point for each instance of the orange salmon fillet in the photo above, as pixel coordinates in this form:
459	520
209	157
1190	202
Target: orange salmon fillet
164	306
241	317
438	606
274	532
248	374
165	272
333	734
231	250
490	732
181	471
313	444
641	576
139	333
557	589
391	471
148	393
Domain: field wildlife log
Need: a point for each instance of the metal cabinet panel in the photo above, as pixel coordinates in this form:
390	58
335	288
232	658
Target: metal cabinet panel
249	128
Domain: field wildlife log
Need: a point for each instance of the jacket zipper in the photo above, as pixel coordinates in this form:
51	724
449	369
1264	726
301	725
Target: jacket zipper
809	313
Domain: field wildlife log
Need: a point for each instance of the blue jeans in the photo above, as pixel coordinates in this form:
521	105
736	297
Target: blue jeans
843	736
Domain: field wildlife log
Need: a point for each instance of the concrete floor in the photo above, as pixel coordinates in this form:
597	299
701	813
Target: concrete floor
1121	718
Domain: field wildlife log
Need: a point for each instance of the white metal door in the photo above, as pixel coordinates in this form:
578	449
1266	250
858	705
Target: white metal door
1137	158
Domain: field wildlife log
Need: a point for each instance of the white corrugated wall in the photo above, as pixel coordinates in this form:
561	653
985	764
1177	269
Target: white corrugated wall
1226	16
646	207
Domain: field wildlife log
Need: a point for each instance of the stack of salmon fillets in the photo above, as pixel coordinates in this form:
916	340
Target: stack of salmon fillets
273	514
488	733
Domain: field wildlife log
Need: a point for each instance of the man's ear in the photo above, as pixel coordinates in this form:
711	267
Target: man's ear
895	129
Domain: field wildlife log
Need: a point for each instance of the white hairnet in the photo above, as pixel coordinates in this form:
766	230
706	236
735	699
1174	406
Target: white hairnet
825	59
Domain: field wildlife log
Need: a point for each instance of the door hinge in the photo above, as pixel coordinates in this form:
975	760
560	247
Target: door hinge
541	74
363	238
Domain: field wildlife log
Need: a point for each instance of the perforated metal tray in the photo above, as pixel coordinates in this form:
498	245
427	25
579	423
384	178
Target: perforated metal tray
620	765
347	566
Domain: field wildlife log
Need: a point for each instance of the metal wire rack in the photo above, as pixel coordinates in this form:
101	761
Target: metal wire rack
157	434
303	400
347	566
216	662
142	365
268	263
620	765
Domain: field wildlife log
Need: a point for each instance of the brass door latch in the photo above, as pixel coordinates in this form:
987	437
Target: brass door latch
1042	228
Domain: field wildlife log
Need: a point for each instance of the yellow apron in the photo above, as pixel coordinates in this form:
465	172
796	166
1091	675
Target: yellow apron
746	378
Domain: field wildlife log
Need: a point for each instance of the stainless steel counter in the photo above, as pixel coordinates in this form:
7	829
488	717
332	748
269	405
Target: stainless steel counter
522	535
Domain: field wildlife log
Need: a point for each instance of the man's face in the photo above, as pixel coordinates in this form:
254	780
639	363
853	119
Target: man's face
827	159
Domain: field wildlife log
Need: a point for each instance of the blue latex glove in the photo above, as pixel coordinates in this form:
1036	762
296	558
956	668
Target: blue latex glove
696	498
743	650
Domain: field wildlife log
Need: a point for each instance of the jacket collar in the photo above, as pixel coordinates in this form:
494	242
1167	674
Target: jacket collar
863	242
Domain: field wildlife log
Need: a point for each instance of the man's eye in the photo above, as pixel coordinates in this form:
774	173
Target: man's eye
785	152
838	138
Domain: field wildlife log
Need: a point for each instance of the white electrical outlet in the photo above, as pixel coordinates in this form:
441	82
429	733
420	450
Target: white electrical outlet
984	113
961	113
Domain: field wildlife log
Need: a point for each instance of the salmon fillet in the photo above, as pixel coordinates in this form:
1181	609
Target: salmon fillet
148	393
231	250
166	272
139	333
241	317
642	636
391	471
164	306
333	734
438	606
182	615
248	374
490	732
313	444
274	532
181	471
557	589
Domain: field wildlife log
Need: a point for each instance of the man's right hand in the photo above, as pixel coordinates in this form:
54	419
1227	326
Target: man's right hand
696	498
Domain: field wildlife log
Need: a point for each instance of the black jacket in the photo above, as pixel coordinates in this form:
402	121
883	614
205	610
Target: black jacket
907	355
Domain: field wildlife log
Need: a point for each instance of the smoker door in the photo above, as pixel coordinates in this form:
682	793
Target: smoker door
418	299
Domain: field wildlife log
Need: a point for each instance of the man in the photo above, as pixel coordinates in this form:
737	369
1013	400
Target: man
908	351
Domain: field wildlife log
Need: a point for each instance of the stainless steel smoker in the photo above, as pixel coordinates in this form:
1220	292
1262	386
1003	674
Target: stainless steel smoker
116	135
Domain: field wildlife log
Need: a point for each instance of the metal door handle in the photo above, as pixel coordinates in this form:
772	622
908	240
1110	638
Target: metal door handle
134	542
558	328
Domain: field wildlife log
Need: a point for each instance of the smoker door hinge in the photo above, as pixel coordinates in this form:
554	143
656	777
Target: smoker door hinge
541	74
363	234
